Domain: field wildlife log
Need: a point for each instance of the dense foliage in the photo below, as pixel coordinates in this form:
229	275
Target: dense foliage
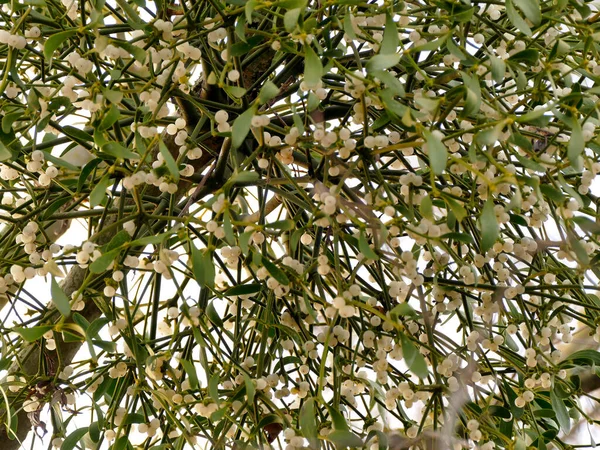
299	223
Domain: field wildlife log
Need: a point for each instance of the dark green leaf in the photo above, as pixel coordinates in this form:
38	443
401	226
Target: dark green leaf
275	271
72	439
529	56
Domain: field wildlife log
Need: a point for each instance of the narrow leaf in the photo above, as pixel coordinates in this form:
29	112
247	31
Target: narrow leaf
169	160
59	298
489	226
438	153
413	358
99	191
308	423
313	68
55	41
241	127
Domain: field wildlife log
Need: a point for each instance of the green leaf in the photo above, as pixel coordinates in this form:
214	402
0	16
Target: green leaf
313	68
137	52
292	4
339	422
72	439
268	92
582	357
275	271
34	333
498	68
413	358
249	9
283	225
190	371
530	163
531	9
343	439
59	298
516	19
241	127
213	387
169	160
552	193
473	96
99	191
101	264
79	136
114	97
5	153
381	62
290	19
109	118
203	267
243	289
250	388
529	56
390	42
562	414
235	91
244	177
365	248
213	315
130	12
489	226
393	84
308	423
147	240
118	151
119	239
457	209
576	144
438	153
9	119
55	41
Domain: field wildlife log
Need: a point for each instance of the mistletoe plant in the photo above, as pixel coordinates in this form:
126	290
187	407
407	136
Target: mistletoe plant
299	224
